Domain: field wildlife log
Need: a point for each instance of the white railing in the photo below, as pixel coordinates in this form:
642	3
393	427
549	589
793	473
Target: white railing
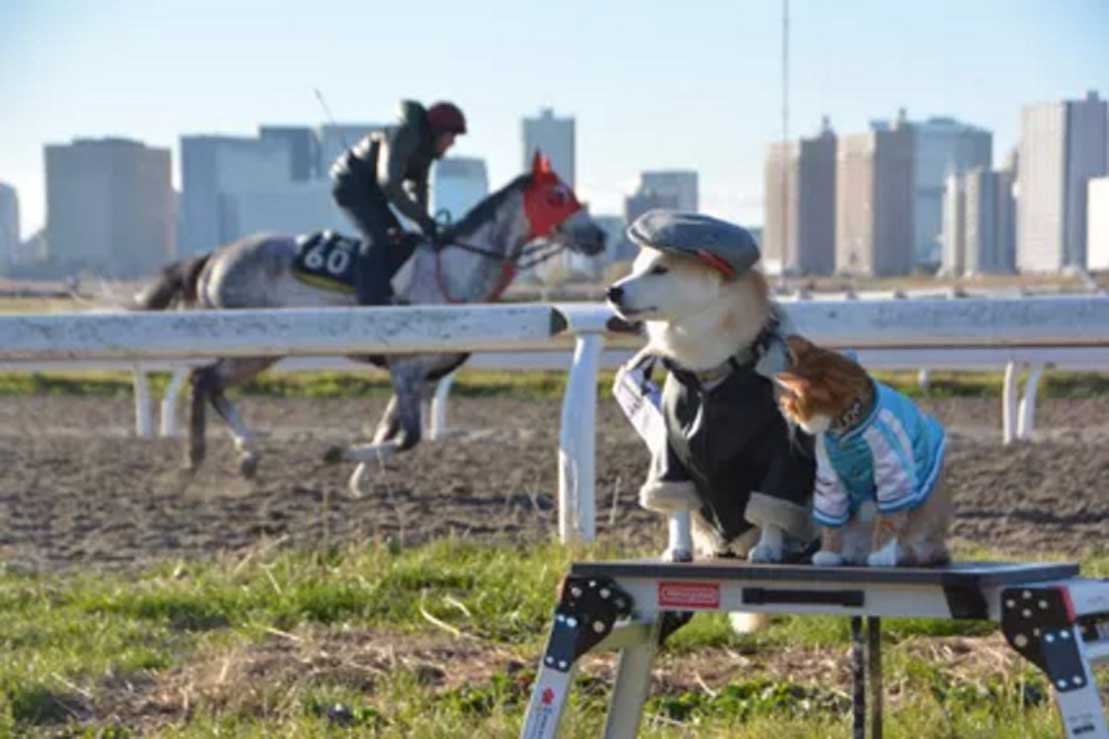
1033	333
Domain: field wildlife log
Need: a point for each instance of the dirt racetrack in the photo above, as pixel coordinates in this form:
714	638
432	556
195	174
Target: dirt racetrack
78	490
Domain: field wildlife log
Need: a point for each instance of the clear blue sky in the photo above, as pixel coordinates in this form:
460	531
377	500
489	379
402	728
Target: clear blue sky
652	83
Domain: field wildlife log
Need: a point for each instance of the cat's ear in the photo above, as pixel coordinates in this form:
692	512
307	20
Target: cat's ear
794	384
798	346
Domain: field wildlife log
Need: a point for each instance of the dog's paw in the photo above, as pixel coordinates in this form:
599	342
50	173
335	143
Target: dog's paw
676	555
887	556
824	558
763	554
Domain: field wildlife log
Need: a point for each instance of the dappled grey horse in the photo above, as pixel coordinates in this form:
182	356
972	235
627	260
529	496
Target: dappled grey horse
532	217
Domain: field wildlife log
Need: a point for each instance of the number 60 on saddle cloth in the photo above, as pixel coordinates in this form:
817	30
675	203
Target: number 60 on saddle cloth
326	260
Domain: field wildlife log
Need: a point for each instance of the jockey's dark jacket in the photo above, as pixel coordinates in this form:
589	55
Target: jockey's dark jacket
731	441
396	157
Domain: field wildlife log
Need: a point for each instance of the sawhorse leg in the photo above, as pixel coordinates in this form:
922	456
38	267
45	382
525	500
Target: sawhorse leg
866	664
1041	624
633	681
588	609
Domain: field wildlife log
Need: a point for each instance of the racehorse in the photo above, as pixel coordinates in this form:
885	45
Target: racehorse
532	217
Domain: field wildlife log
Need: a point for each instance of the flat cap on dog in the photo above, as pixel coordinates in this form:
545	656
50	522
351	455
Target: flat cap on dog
724	246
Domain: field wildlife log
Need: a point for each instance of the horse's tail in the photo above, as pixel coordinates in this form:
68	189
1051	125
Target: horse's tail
177	281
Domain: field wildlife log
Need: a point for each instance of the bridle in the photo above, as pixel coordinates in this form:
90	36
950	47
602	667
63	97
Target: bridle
526	258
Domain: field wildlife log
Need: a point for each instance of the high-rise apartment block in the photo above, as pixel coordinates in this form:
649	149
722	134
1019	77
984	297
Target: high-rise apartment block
680	183
555	138
9	223
799	204
110	206
1097	224
942	146
979	223
304	155
1063	145
874	201
215	169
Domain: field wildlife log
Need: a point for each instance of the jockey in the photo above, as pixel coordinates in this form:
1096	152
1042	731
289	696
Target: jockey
390	168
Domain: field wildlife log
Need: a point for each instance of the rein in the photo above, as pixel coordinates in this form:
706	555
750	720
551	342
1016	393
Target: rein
509	265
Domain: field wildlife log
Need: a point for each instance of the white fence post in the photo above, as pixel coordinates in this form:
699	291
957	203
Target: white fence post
923	379
144	424
577	439
437	424
1026	423
169	401
1009	402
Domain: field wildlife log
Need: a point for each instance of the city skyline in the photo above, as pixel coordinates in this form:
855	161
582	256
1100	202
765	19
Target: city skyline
650	87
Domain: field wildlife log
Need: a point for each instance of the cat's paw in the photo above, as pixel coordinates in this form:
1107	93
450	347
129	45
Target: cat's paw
765	554
887	556
824	558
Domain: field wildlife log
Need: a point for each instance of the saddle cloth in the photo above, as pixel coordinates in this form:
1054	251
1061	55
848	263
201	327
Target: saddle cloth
327	260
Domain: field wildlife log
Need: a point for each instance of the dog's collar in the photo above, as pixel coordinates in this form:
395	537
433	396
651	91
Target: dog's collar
856	413
746	358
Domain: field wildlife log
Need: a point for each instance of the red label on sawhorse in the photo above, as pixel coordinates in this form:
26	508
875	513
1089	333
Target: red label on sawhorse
689	594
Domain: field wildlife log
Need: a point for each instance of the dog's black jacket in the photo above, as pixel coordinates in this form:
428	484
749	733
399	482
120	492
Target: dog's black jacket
731	441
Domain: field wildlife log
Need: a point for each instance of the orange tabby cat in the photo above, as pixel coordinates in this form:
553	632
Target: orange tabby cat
875	449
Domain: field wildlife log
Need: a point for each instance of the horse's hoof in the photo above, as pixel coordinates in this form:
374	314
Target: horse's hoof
248	466
333	455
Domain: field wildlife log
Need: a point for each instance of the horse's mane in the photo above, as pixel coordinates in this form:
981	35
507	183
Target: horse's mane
484	210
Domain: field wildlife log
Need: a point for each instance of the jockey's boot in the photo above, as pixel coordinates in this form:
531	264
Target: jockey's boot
372	285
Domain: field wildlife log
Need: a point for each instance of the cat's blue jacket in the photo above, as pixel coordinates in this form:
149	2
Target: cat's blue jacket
894	458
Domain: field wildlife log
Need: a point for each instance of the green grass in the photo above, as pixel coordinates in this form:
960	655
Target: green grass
70	640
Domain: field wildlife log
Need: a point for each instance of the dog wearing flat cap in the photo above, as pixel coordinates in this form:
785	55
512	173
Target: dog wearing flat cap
727	455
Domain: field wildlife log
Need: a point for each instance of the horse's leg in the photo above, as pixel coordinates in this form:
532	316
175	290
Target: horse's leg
389	424
408	380
200	380
230	372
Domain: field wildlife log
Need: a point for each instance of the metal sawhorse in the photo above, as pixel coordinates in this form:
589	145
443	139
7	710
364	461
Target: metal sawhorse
1053	618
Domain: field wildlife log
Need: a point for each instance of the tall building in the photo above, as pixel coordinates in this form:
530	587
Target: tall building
990	222
1097	224
979	223
942	146
457	185
284	207
874	201
9	224
953	258
979	234
335	138
554	137
216	169
640	202
1063	145
109	206
304	157
681	183
799	204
